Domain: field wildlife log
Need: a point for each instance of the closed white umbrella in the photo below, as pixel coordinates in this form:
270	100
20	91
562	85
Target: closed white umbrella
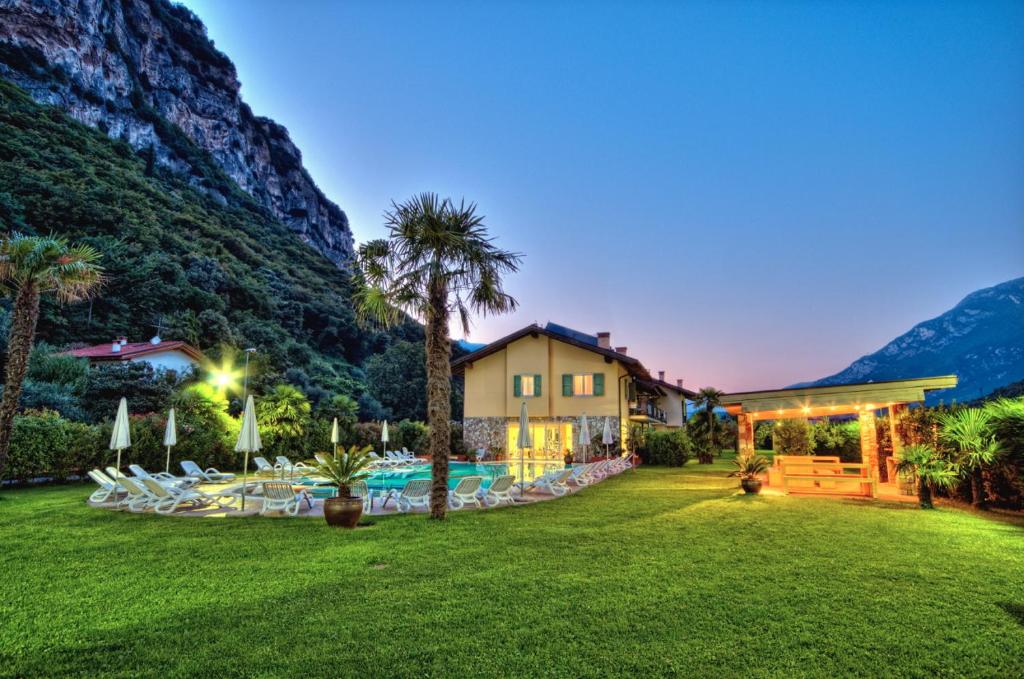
121	437
384	438
523	442
170	438
248	440
585	436
334	436
606	436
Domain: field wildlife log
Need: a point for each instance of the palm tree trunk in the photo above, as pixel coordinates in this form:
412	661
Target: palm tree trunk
978	489
924	494
19	346
439	387
709	456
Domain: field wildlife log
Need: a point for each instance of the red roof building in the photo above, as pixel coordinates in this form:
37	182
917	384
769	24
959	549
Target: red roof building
171	355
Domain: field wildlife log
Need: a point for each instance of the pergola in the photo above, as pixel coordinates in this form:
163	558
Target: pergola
863	400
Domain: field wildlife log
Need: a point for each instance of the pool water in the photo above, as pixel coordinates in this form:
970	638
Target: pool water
395	479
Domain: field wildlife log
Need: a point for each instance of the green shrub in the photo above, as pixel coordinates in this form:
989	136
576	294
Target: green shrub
410	434
671	448
841	439
793	437
44	444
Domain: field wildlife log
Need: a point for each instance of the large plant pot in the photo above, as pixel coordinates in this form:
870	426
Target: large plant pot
343	511
751	486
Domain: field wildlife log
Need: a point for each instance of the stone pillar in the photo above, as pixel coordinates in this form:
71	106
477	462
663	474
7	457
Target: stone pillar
869	442
896	413
745	432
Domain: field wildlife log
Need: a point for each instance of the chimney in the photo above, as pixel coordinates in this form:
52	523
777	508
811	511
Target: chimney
679	383
621	350
116	346
604	340
122	341
661	375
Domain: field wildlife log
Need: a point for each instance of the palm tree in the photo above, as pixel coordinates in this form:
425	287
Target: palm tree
969	431
30	267
285	413
438	259
709	398
925	465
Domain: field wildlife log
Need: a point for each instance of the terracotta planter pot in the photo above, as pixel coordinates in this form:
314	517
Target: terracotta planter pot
751	486
343	511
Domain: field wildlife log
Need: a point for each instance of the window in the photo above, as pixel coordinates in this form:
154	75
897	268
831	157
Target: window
582	385
526	386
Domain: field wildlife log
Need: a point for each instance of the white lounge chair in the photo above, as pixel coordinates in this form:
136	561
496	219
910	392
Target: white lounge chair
499	491
359	489
138	497
378	461
169	498
411	457
107	490
396	457
210	475
465	492
580	475
287	466
162	477
416	494
262	466
279	496
552	482
480	454
320	458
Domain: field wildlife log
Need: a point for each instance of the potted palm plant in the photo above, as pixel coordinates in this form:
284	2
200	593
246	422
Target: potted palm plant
923	464
748	467
342	470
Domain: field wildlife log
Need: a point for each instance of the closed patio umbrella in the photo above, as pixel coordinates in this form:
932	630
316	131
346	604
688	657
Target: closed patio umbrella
584	440
248	440
170	438
121	437
384	438
523	442
606	436
334	436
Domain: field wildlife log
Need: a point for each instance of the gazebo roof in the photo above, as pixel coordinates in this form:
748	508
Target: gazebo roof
837	399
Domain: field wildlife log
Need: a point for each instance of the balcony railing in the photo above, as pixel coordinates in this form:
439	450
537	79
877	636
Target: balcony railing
648	410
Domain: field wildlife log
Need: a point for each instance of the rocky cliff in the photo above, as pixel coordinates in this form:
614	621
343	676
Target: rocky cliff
145	71
981	340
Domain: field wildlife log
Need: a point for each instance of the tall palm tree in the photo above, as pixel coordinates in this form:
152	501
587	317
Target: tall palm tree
929	469
969	431
437	260
30	267
709	398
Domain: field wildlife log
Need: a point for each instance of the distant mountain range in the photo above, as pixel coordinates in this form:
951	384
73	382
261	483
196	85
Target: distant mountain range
981	340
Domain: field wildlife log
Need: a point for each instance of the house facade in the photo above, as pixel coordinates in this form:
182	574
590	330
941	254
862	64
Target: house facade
161	354
560	374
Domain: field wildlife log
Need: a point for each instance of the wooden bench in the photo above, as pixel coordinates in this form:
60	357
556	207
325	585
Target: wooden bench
780	461
829	478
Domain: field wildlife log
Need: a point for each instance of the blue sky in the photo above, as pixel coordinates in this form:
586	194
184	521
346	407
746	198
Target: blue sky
745	194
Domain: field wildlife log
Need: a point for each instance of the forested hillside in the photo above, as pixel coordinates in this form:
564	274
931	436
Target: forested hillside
207	270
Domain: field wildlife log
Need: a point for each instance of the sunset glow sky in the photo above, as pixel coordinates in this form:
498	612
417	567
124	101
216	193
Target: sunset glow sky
745	194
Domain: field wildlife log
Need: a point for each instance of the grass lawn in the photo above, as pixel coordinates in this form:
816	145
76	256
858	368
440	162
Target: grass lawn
661	572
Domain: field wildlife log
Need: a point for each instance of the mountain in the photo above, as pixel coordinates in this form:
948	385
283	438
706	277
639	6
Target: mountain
208	269
981	340
145	72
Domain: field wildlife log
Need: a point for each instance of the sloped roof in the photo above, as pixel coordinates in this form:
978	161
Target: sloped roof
632	365
102	352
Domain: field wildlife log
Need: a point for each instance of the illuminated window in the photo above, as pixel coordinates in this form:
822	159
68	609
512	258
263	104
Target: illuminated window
527	385
585	384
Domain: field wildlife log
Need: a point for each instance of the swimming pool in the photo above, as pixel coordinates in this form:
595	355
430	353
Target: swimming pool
395	479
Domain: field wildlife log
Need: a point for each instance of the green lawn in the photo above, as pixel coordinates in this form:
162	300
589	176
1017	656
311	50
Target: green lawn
661	572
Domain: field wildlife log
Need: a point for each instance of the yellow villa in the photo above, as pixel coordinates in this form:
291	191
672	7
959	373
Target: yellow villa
561	374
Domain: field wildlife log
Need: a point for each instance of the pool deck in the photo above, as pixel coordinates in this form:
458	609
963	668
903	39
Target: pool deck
253	504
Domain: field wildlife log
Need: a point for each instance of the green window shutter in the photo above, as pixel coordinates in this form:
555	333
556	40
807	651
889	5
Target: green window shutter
598	384
536	385
517	386
566	385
